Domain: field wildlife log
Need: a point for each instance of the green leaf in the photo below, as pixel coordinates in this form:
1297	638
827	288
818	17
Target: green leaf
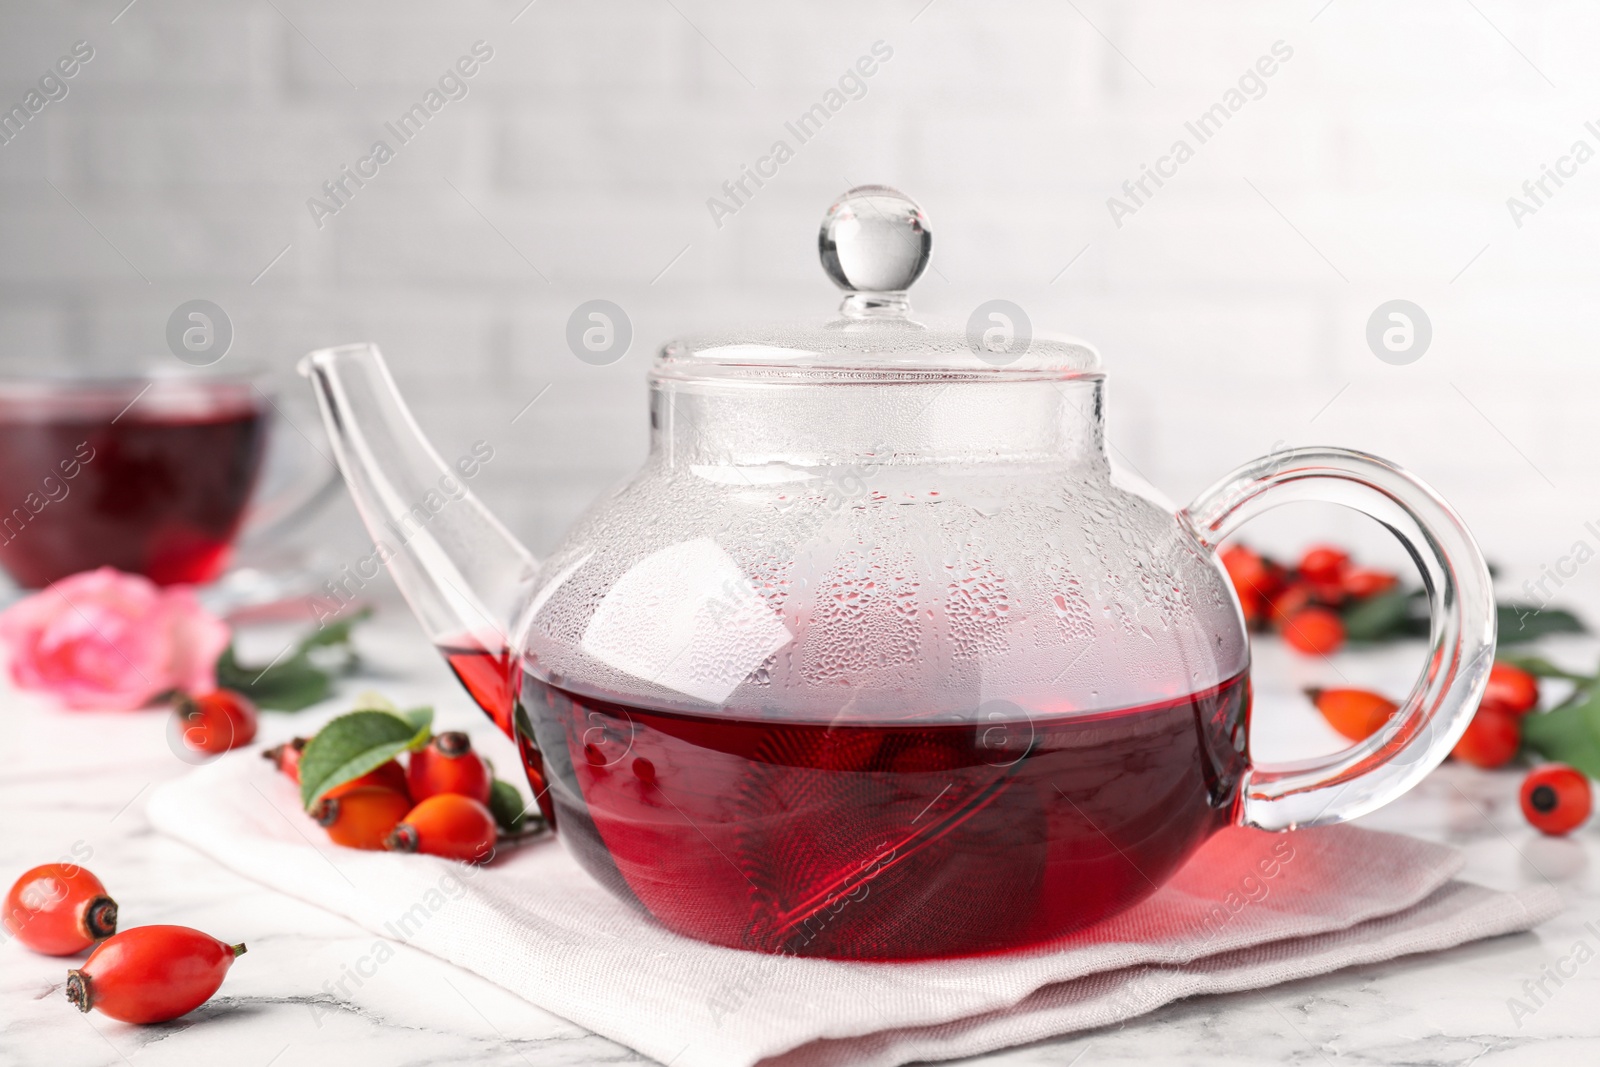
1377	617
1393	615
302	677
1526	622
1540	667
335	634
1570	734
510	813
355	743
289	686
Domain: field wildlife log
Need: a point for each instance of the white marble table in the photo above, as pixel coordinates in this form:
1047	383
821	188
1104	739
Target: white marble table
78	781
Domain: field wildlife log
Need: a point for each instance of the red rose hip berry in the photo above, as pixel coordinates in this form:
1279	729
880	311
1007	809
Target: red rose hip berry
1512	688
59	910
1255	579
1492	738
447	764
1291	601
286	757
1323	564
1556	799
448	825
216	722
1314	631
1363	582
151	973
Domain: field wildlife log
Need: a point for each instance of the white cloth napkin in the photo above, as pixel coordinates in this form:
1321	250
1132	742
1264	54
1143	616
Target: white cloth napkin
1250	910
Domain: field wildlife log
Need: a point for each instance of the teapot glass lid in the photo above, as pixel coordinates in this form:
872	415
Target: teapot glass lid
875	242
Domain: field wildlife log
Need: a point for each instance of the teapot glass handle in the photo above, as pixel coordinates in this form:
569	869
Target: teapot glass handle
1461	639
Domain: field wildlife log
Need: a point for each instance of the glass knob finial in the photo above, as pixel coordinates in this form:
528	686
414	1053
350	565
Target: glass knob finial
875	242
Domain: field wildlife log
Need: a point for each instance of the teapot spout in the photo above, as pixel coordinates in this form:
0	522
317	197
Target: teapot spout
460	570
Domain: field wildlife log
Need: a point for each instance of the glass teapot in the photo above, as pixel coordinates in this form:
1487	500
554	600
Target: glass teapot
876	657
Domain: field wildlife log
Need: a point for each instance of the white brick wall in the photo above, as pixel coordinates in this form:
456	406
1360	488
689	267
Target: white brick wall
593	137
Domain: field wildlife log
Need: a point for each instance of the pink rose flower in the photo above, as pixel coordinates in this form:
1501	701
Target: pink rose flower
108	640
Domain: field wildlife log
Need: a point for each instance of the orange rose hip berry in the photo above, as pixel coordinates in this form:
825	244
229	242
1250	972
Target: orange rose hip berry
1355	713
361	817
448	825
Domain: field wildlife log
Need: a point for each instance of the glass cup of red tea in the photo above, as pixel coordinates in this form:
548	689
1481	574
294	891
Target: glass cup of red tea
155	476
